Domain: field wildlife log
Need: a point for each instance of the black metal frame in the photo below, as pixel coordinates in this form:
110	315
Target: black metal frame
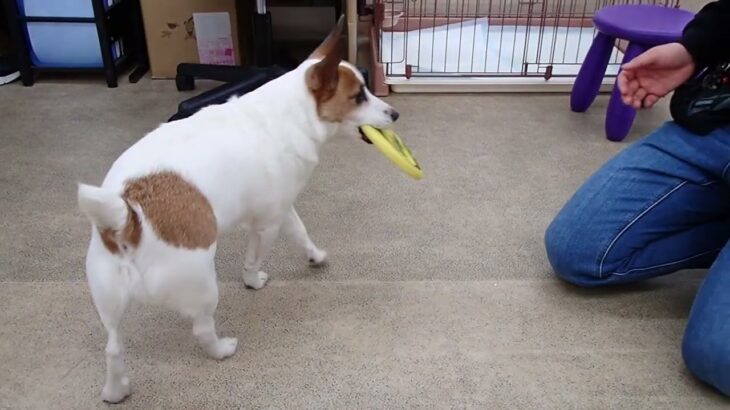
120	20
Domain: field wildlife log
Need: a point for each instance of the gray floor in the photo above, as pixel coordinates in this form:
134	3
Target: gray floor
438	293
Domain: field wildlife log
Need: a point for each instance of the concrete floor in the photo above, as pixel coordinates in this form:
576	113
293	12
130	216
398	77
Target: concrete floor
438	293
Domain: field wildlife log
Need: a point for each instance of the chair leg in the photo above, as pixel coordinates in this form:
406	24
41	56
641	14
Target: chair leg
619	116
588	82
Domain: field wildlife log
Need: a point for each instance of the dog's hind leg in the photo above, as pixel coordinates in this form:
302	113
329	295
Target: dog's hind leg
110	294
294	228
215	347
259	247
204	324
187	283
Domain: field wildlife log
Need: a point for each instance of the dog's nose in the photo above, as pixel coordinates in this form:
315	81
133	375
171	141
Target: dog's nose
394	115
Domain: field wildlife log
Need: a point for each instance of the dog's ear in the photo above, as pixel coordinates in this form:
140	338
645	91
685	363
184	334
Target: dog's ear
331	42
322	77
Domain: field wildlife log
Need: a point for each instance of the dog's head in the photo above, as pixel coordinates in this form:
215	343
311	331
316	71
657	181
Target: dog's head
340	90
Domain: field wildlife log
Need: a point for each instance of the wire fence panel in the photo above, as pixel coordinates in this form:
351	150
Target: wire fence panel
489	38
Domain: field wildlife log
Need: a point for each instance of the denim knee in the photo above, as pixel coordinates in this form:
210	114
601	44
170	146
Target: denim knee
570	262
707	357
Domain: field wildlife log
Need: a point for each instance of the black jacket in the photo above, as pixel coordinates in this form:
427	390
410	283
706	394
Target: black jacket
702	105
707	36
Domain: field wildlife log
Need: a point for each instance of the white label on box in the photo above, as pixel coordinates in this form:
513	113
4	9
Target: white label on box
213	35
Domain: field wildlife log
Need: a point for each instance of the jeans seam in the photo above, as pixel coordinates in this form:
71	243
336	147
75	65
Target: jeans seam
661	265
632	222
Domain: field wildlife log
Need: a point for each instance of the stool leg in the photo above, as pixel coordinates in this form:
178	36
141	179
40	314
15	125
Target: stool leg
588	82
619	116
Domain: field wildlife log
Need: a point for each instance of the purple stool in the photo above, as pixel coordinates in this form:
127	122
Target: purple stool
643	27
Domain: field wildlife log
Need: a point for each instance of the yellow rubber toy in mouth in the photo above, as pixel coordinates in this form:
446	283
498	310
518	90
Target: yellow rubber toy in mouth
393	147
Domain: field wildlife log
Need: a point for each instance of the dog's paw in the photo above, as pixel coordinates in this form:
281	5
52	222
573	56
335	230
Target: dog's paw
316	257
116	393
224	348
255	280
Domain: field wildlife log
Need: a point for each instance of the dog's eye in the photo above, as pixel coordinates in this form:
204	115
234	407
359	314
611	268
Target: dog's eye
360	97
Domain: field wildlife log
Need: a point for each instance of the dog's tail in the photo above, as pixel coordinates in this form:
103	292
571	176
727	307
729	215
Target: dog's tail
105	209
118	224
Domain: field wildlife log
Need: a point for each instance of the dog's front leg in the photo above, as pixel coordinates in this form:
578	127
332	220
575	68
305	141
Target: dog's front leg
260	243
294	228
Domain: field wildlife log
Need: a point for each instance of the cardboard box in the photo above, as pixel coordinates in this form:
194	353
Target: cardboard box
173	38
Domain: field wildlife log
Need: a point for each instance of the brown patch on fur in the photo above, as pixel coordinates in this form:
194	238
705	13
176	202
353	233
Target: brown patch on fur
132	232
177	210
130	235
109	239
334	87
336	99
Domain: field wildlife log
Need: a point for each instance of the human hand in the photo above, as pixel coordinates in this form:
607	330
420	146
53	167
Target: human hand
653	74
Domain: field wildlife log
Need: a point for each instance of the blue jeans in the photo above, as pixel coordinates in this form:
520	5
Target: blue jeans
661	205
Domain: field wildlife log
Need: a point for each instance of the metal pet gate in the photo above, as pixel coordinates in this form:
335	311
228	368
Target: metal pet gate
485	45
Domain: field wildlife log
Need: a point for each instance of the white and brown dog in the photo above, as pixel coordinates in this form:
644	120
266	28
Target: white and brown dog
157	215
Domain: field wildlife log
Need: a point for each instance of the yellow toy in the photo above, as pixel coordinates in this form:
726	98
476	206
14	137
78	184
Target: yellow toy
390	145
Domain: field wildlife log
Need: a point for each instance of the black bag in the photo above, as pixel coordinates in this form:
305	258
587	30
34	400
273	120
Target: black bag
702	104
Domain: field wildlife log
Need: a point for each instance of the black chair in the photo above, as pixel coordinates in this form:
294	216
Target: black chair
238	80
